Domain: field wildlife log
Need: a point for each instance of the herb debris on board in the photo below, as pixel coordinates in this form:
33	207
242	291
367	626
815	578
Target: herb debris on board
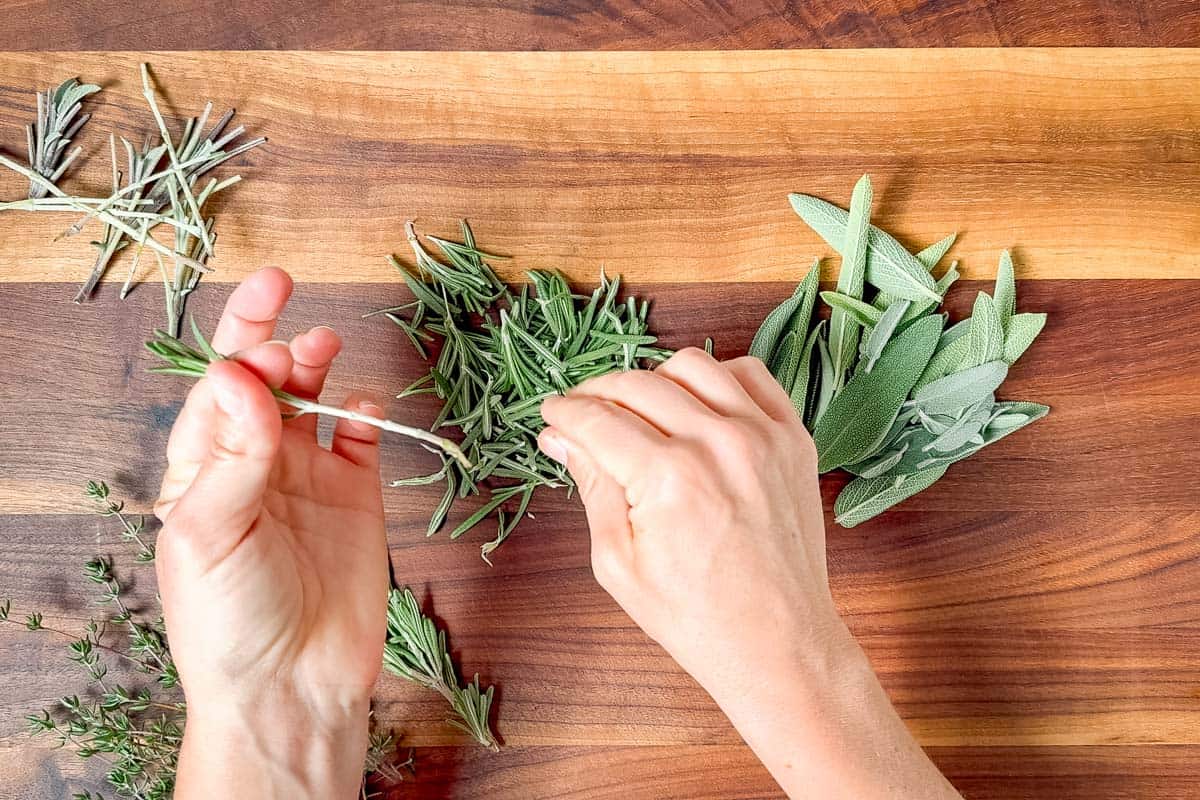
889	395
495	353
136	729
160	186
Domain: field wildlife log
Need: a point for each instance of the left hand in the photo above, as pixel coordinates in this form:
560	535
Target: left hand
272	565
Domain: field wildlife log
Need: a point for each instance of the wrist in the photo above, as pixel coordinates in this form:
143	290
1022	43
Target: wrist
277	743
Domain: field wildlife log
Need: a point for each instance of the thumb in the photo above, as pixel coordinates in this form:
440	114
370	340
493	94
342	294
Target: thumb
603	499
226	496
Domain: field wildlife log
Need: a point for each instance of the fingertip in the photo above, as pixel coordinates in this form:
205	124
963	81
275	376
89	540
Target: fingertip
358	441
316	346
262	295
271	362
554	445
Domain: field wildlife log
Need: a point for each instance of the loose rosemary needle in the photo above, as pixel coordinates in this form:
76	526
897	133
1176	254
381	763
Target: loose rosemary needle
181	359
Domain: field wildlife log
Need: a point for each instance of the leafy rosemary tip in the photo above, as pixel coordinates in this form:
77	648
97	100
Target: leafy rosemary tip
416	650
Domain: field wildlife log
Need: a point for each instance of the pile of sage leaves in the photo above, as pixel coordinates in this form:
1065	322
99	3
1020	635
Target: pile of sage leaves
890	394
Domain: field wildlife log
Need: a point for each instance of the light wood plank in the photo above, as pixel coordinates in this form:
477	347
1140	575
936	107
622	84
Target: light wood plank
666	166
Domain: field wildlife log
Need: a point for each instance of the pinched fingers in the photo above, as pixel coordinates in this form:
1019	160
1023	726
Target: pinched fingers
709	381
313	353
621	443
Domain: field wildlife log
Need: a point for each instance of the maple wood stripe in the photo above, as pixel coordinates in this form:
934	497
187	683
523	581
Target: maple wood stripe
605	25
79	404
662	166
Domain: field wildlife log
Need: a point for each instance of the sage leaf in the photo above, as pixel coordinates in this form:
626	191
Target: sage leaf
1005	295
990	436
922	307
825	387
862	411
858	311
802	383
890	267
864	498
967	426
780	320
960	389
881	334
786	360
946	360
958	329
1022	330
931	255
878	465
986	335
844	328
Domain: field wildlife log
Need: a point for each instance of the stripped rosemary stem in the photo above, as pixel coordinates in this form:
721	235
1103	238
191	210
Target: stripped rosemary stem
191	362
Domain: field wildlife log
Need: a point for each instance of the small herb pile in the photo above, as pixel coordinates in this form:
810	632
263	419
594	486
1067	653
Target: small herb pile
416	651
161	187
496	352
137	728
891	395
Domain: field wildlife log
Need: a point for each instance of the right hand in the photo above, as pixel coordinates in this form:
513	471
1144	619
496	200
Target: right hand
700	485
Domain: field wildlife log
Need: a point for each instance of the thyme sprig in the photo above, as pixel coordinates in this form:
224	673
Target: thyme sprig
496	352
192	362
416	651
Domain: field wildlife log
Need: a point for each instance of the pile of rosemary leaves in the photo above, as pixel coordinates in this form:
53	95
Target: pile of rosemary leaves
495	353
131	713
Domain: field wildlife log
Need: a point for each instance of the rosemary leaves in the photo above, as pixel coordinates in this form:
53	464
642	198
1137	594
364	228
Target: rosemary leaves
160	185
416	651
495	353
58	120
890	396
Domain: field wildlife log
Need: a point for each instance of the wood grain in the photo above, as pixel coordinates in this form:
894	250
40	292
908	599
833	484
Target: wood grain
592	25
664	166
1144	402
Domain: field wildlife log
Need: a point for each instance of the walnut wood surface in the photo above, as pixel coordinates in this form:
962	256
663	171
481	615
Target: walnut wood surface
591	24
1043	598
1036	618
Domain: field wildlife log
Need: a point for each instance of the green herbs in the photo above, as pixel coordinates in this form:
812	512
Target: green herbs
135	729
416	650
161	185
889	395
496	352
192	362
58	120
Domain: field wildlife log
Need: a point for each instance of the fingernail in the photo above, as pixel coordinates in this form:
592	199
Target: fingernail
553	445
324	327
368	407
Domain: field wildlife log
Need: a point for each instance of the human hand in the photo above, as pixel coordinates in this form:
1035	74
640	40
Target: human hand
272	565
700	484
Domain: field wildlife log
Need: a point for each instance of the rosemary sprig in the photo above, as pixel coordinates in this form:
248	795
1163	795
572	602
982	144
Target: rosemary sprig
58	120
191	362
500	351
416	650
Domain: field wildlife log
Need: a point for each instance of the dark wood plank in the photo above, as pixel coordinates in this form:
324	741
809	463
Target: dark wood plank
1124	395
588	25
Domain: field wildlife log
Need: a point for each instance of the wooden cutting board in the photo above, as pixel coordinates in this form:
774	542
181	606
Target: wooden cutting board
1036	618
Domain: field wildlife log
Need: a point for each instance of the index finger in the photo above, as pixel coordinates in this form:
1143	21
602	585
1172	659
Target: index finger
251	311
618	440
